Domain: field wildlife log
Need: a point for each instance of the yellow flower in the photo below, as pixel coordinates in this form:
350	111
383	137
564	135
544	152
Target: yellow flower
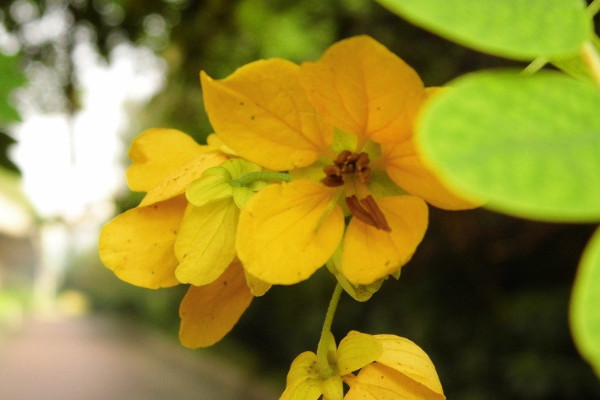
151	245
391	367
342	127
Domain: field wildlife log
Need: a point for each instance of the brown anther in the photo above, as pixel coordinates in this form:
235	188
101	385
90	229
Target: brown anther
347	163
368	212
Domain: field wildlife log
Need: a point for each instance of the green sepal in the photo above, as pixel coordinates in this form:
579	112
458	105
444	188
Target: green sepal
343	141
381	185
209	188
220	182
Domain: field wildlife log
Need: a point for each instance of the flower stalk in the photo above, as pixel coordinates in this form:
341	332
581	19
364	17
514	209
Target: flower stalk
326	336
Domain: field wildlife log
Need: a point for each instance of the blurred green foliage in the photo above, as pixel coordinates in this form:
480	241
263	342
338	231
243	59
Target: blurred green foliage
485	295
11	78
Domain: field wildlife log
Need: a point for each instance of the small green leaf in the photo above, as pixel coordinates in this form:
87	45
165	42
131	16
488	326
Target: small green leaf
515	29
585	301
529	145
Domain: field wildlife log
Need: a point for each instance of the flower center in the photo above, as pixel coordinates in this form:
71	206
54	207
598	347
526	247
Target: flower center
347	164
356	166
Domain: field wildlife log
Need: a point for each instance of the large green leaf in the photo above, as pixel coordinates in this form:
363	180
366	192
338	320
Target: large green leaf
516	29
585	304
529	145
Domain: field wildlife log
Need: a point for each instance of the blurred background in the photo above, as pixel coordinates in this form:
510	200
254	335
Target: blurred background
486	295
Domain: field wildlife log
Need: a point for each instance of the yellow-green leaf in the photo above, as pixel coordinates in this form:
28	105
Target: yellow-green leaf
529	145
585	304
406	168
516	29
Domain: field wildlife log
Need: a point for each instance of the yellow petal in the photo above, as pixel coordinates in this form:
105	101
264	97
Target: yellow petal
205	245
406	169
177	182
262	113
303	381
379	382
216	143
304	367
357	350
332	388
305	390
409	359
288	230
370	254
209	312
364	89
156	153
138	244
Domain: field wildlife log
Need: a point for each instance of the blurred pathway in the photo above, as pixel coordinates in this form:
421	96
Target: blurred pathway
91	358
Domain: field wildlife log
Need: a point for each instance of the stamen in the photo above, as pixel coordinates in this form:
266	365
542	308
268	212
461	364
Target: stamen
374	210
347	163
368	212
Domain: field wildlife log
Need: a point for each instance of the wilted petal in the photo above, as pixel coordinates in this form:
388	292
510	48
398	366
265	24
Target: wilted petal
369	254
364	89
288	230
205	245
262	113
209	312
156	153
138	244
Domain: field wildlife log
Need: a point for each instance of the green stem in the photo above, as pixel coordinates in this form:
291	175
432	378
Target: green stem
535	65
250	177
539	62
594	7
326	337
